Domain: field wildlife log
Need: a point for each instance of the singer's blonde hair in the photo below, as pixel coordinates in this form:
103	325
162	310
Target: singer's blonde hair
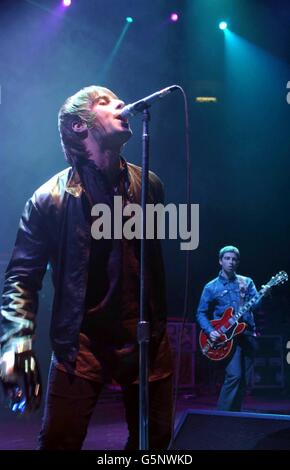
78	108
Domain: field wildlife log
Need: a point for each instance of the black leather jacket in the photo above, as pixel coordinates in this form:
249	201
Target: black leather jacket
54	229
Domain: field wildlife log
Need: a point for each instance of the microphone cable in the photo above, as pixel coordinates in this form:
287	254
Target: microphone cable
187	266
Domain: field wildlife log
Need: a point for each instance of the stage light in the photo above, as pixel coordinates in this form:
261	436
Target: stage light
174	17
129	19
66	3
223	25
206	99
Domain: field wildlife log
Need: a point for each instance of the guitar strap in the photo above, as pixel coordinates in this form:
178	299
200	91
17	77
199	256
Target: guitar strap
243	286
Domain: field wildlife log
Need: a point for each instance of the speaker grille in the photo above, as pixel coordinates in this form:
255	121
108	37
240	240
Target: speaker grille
209	430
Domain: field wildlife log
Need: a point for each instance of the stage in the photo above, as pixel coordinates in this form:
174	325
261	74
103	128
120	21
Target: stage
107	430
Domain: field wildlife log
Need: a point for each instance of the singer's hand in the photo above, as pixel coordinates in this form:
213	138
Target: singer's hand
21	381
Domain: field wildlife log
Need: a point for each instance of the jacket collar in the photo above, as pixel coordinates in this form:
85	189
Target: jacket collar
74	185
225	280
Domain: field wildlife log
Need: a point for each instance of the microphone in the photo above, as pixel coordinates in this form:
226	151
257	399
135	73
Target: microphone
139	106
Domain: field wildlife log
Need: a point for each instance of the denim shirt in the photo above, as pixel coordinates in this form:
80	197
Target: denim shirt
221	293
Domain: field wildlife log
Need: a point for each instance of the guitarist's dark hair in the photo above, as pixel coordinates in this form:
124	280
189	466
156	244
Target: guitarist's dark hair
229	248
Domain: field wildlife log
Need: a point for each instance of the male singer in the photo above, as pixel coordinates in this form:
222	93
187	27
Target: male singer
96	282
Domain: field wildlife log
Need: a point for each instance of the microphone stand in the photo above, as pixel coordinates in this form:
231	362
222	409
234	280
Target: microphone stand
143	325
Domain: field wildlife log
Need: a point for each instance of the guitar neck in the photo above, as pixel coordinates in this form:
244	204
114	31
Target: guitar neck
251	303
280	278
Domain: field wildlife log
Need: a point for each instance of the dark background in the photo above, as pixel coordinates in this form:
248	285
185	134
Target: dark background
239	145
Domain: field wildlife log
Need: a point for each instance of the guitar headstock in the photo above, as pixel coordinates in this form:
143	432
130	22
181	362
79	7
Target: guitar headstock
280	278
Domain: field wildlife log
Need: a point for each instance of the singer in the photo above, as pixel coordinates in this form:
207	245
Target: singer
96	282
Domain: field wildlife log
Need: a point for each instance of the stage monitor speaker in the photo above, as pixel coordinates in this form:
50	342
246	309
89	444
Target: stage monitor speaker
225	430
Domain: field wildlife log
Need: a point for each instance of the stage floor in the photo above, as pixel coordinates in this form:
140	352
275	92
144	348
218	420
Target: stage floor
108	430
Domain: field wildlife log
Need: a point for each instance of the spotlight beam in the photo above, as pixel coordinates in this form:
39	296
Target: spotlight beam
115	50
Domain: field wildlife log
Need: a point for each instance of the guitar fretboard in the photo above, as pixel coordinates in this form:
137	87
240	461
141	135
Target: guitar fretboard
253	301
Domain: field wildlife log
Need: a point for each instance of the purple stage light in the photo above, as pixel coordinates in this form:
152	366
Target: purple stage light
174	17
66	3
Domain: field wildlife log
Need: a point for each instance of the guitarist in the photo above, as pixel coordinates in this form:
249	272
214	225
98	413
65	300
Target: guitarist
230	290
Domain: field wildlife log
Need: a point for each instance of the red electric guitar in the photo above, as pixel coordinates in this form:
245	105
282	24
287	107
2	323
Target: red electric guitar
229	326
